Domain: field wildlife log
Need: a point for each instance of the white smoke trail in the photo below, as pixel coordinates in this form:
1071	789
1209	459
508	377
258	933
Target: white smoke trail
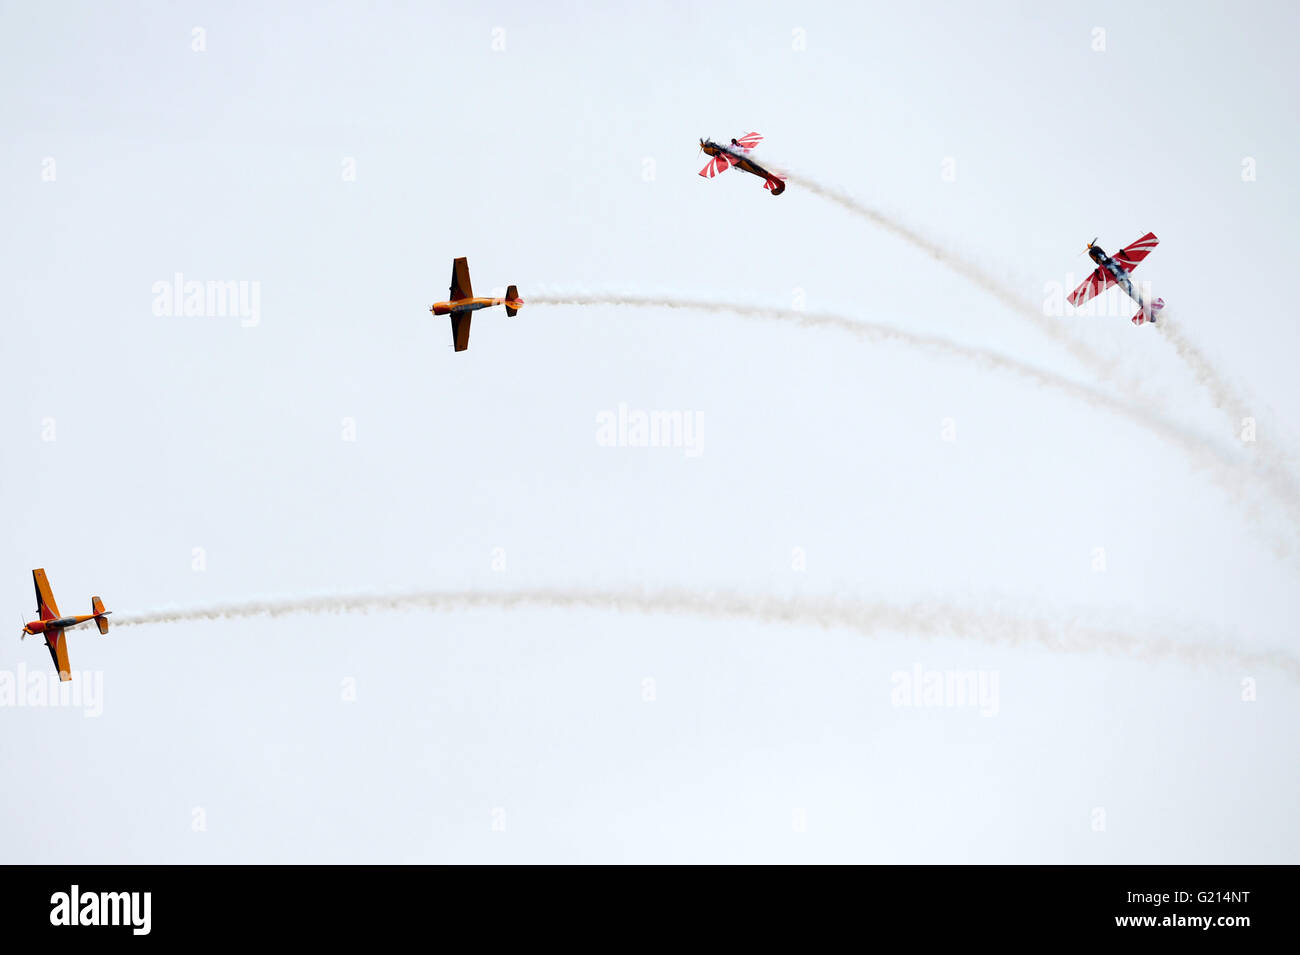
1221	394
1271	461
1098	364
1229	474
926	620
875	331
1272	465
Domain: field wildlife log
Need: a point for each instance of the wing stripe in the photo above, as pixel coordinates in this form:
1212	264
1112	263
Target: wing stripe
45	605
1096	282
718	164
1130	256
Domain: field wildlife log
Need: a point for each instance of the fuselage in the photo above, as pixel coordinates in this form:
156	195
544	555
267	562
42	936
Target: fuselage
59	623
1121	275
1117	271
473	305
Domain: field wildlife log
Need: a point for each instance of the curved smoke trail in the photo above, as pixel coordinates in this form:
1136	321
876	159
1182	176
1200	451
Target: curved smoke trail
1229	474
1224	398
968	270
1272	465
928	620
1271	461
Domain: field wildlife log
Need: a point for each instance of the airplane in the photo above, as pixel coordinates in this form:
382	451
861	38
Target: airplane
1117	270
736	154
53	626
463	303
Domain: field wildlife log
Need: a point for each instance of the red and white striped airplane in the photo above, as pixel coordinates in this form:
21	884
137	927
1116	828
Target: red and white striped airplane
1118	270
736	154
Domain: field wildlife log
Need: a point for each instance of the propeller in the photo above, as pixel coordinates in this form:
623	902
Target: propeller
1088	248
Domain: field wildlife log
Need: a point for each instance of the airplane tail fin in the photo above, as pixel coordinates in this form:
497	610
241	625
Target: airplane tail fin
101	615
1148	313
513	302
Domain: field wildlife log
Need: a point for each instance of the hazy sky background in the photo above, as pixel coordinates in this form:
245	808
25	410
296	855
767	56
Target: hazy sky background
567	161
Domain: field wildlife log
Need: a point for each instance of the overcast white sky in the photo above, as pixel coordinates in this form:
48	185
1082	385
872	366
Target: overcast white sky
567	161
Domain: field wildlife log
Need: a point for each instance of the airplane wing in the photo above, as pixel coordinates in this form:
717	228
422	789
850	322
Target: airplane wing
57	642
45	605
718	164
460	287
749	141
460	329
1135	253
1096	282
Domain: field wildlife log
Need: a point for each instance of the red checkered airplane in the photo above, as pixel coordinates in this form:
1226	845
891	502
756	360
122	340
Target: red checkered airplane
736	154
1117	270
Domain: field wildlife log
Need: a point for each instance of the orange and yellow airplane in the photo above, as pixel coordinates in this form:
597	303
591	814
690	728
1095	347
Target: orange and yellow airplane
463	304
53	626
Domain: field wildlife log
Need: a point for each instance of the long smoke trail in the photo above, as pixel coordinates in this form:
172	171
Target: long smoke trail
1270	461
1220	392
928	620
1272	464
990	284
1231	475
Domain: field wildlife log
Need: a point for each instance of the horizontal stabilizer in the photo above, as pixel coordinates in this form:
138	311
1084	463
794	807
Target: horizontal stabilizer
1148	313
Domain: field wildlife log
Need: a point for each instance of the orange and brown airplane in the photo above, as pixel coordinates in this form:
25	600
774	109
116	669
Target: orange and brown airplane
463	304
53	627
